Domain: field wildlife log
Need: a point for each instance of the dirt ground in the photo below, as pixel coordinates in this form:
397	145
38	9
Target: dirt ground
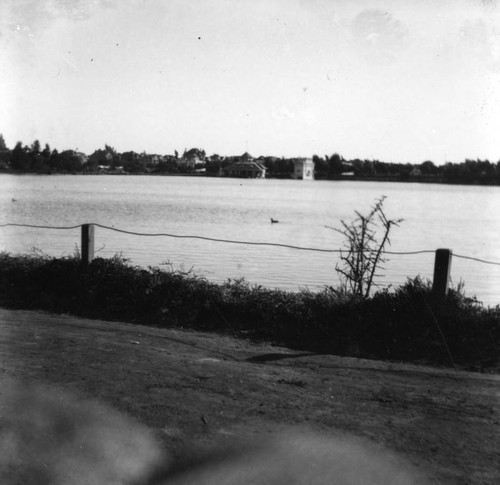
197	389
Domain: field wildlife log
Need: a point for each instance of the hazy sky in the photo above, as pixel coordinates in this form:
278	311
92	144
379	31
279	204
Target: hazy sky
400	80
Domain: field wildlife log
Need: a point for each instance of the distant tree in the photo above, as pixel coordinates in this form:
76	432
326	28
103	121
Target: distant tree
278	167
469	169
215	157
133	166
66	161
451	172
405	170
107	156
130	156
69	161
54	160
380	168
20	159
46	151
109	149
284	167
168	165
38	163
3	146
5	154
428	168
35	147
361	168
393	169
102	157
194	153
213	167
335	165
367	167
320	167
486	168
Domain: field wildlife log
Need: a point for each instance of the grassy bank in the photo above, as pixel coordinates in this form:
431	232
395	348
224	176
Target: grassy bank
404	325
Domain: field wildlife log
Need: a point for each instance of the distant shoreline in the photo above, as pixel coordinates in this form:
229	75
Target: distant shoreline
353	178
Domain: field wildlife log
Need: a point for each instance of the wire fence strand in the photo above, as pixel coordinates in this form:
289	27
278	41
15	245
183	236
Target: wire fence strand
231	241
471	258
40	227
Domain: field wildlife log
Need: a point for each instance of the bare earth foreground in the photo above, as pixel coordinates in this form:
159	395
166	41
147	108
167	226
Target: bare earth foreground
199	390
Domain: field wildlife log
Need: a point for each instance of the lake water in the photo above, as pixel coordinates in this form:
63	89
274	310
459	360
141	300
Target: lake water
462	218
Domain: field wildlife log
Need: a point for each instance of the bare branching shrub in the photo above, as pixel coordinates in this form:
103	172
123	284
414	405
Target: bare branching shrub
366	239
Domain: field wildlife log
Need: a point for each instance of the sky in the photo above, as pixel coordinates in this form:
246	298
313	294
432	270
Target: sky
400	81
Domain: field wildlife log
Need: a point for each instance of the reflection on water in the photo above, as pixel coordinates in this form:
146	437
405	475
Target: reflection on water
464	219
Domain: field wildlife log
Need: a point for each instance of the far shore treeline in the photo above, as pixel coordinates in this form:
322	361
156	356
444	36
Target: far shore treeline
35	159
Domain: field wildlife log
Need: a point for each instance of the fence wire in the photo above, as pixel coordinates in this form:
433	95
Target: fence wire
230	241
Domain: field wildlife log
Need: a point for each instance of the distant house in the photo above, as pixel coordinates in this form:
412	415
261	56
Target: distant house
186	163
154	159
246	157
193	159
130	157
303	169
245	169
214	158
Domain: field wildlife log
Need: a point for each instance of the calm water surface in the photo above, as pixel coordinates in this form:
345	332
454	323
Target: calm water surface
464	219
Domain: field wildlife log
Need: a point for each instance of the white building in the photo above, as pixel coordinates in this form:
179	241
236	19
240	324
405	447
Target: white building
303	169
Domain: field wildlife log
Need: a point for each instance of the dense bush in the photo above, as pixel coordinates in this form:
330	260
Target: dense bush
406	324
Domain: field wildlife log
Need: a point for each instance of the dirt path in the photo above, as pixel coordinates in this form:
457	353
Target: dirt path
197	389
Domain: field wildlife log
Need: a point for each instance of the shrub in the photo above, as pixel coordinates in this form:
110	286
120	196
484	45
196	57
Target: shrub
365	248
407	324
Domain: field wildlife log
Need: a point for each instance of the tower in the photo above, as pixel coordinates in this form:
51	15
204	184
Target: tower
303	169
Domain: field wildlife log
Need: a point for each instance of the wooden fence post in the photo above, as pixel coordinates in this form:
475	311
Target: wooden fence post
87	243
442	267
